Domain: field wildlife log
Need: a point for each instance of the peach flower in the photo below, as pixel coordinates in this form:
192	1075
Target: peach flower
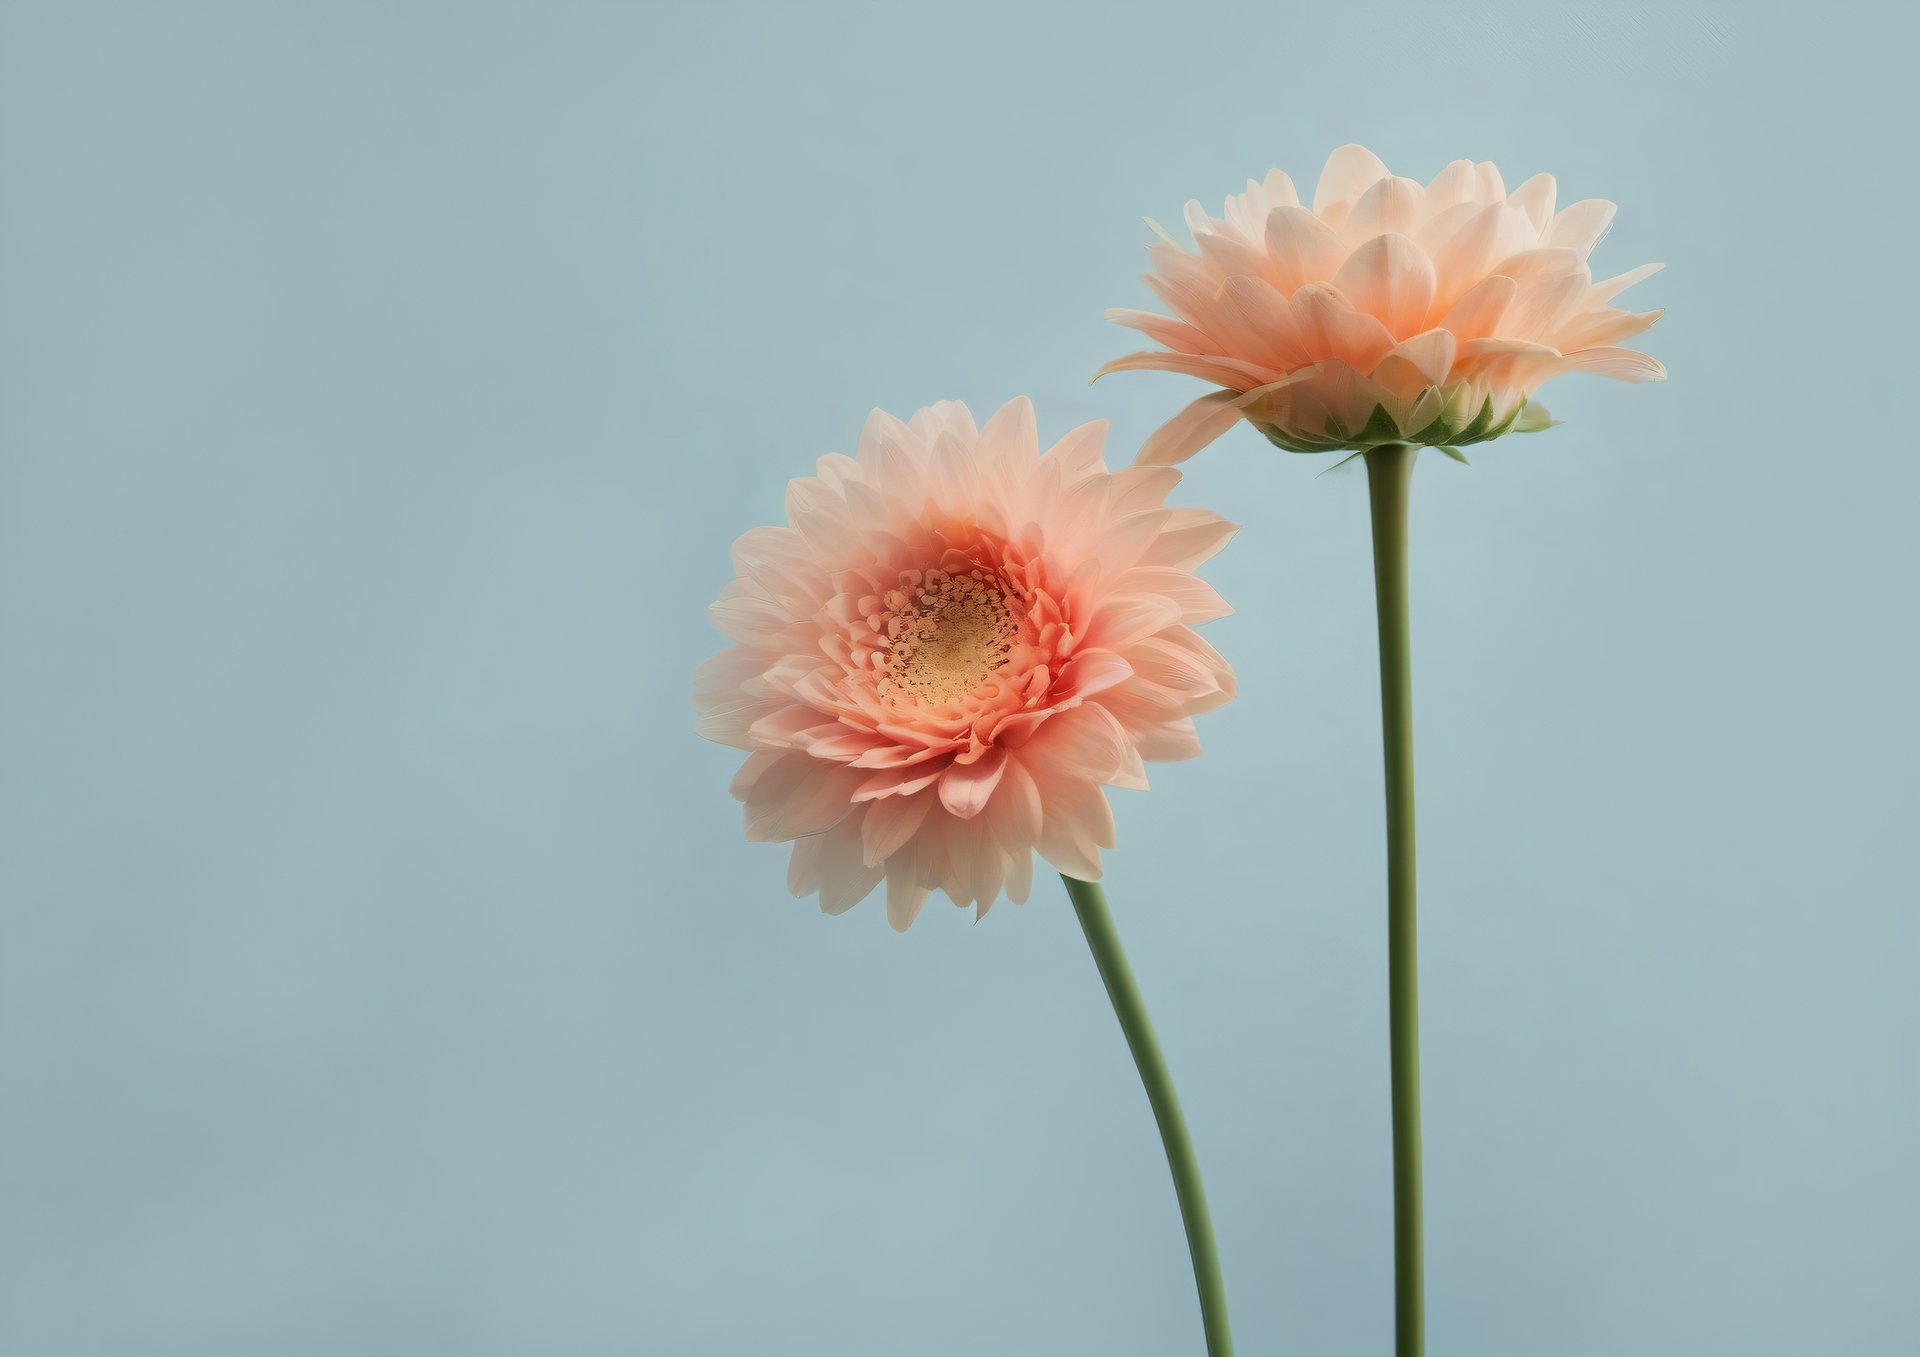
1387	312
956	643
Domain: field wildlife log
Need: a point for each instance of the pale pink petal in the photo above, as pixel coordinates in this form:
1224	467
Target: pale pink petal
1266	328
888	823
1626	365
1014	814
1078	824
797	796
1331	327
1228	258
1079	449
906	896
1493	233
1430	353
1135	488
1092	671
728	706
1581	226
1192	429
1190	537
1391	279
1350	171
1174	334
831	864
1535	198
1604	328
1228	372
945	417
1454	185
1123	618
1012	428
1606	290
965	788
1392	206
1301	249
1477	312
1198	601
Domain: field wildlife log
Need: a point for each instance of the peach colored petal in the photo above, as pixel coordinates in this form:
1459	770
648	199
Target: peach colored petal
1430	353
1391	279
1192	429
1581	226
1350	171
1234	372
1301	248
1603	328
1608	289
965	787
1454	185
1332	327
1627	365
1393	206
1477	312
1535	198
1174	334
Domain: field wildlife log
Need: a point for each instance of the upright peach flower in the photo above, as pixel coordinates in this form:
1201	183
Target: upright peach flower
956	643
1387	312
1385	318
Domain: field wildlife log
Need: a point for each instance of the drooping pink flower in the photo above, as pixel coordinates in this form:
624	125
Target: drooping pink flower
954	645
1386	312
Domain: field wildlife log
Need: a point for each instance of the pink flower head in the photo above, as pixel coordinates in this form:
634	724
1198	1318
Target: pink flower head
956	643
1387	312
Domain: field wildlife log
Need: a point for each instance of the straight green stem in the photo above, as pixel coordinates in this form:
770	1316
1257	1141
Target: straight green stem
1090	903
1389	479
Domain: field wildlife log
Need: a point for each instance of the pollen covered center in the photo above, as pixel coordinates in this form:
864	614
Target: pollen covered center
945	633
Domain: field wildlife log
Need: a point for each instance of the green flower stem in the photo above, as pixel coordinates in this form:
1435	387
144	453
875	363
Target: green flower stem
1090	903
1389	478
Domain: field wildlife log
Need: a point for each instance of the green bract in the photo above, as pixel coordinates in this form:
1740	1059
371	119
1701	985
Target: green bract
1451	428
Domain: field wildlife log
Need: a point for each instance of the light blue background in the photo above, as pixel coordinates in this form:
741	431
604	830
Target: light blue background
381	968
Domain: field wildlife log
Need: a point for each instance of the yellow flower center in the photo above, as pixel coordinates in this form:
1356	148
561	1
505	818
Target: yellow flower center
946	634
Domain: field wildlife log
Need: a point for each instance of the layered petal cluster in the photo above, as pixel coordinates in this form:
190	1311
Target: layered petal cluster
953	646
1388	311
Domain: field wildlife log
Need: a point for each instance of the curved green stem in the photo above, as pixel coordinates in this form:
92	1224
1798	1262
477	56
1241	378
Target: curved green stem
1090	903
1389	478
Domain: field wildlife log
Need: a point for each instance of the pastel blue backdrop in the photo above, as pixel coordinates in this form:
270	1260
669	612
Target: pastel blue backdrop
381	969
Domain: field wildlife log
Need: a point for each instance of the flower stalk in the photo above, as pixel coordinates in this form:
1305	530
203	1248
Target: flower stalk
1090	903
1389	480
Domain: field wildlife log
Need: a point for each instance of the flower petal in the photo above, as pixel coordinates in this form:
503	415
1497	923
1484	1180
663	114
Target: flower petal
1350	171
1301	248
1392	206
888	823
1391	279
965	788
1581	226
1191	430
1535	198
1478	311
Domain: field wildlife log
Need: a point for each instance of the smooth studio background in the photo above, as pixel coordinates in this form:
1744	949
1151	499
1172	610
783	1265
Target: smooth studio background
381	970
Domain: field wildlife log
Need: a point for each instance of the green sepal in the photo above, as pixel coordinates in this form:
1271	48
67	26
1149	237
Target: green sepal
1358	452
1380	428
1477	428
1294	442
1436	431
1533	418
